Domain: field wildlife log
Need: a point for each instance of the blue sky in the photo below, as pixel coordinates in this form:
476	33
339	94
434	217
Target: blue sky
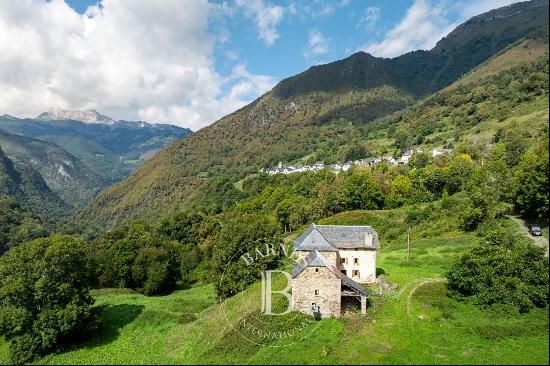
189	62
343	24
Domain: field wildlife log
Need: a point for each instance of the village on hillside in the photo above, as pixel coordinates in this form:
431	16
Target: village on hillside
337	167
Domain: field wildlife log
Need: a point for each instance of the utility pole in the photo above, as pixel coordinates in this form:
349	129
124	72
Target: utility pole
409	245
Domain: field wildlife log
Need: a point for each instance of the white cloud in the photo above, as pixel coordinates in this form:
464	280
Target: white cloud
317	44
232	55
470	8
370	18
423	25
131	60
426	22
266	16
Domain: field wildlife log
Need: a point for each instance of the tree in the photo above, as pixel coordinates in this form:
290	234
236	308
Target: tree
138	257
531	182
458	172
420	160
245	235
501	269
516	144
44	295
489	190
155	270
362	192
401	190
183	227
402	186
433	179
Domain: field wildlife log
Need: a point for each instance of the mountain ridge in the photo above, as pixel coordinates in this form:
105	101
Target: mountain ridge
63	173
434	69
314	114
111	150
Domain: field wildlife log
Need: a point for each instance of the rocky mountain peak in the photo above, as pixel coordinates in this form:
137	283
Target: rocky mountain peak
89	116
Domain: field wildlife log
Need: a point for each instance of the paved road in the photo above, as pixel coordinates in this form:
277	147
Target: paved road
541	241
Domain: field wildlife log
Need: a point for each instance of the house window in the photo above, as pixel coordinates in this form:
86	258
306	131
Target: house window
343	261
314	307
316	292
316	269
355	260
355	273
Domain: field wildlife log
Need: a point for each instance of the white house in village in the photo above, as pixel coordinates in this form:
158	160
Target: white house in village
337	167
333	262
405	158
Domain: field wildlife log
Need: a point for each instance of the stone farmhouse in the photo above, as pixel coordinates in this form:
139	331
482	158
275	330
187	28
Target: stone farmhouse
332	264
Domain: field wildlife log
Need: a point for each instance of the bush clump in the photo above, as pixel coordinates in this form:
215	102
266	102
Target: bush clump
44	295
501	269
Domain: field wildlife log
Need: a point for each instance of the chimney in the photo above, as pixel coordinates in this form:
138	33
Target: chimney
368	239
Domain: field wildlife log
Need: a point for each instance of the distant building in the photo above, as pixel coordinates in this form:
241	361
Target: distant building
333	262
437	152
405	158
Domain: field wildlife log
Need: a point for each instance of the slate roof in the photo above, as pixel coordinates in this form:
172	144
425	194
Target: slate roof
316	259
312	260
334	237
312	239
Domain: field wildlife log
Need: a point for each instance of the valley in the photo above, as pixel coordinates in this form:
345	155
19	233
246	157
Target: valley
127	242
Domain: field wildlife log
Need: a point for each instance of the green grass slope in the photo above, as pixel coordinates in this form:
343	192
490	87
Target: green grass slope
524	52
413	323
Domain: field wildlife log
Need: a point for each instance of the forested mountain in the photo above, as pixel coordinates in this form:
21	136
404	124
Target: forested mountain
314	115
27	205
111	149
421	73
64	174
26	186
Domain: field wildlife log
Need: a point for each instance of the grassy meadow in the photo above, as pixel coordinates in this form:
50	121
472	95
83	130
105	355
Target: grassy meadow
414	323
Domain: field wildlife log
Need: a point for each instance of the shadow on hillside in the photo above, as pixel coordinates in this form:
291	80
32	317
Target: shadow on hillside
112	319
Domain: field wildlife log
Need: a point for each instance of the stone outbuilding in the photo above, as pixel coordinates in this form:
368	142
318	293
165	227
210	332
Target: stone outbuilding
333	262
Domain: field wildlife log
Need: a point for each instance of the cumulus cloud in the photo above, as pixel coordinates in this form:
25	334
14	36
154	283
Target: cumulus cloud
131	60
423	25
266	16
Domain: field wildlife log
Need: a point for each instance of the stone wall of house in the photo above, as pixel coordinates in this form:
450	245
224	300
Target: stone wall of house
328	298
366	265
331	257
300	254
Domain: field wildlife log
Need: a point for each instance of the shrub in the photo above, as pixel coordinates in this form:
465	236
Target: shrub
138	258
154	269
242	235
501	270
470	218
531	182
44	295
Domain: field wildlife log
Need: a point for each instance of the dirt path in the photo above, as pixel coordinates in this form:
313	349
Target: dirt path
540	241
